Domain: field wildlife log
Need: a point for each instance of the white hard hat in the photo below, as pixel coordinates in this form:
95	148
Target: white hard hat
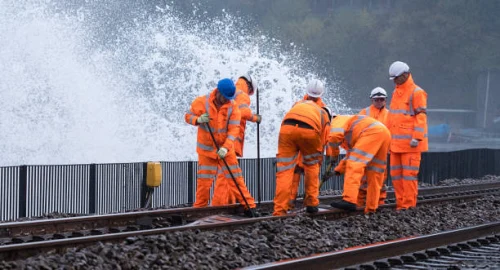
397	68
378	92
315	88
250	80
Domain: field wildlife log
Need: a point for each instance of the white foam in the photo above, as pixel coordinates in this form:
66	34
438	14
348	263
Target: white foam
68	95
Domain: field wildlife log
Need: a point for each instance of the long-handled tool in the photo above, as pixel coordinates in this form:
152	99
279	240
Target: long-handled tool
328	174
259	191
230	172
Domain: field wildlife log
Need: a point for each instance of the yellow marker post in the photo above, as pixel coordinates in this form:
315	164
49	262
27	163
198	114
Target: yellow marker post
153	174
152	179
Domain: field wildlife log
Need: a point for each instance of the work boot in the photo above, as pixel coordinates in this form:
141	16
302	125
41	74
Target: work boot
251	213
312	209
369	213
344	205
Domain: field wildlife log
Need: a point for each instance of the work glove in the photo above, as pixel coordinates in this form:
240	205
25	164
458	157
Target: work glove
414	143
204	118
327	176
222	152
259	118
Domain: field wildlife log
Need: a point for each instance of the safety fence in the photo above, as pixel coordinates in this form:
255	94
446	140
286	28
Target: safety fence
35	190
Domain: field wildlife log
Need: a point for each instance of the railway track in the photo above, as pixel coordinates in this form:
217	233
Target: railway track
467	247
134	221
19	238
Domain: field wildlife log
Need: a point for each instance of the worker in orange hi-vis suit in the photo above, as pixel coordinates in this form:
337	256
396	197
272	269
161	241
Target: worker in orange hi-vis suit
407	122
378	111
304	129
315	89
218	112
366	142
245	87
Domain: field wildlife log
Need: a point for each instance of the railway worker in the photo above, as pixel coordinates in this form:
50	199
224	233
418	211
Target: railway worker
407	122
218	112
378	111
304	129
315	89
245	87
366	142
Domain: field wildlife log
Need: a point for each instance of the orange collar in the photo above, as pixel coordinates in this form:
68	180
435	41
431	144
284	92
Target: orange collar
409	85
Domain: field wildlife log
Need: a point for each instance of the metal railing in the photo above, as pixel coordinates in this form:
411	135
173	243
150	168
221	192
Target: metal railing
28	191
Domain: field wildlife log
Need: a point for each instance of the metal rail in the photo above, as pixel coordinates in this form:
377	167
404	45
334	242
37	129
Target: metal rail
174	216
37	244
481	253
380	251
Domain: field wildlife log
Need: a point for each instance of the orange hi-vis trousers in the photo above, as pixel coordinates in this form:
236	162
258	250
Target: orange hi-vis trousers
404	174
222	188
292	140
368	156
364	186
294	189
207	171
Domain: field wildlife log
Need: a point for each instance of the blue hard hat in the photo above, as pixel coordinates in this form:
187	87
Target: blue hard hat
226	88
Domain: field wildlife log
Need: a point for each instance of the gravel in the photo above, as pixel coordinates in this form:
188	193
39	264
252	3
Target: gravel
52	215
447	182
265	241
469	181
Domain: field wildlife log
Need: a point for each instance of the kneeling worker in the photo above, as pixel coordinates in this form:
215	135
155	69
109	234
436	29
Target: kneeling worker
366	142
304	130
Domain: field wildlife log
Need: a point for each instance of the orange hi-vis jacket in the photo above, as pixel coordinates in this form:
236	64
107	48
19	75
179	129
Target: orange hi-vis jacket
224	123
408	118
345	131
243	100
320	103
379	114
317	118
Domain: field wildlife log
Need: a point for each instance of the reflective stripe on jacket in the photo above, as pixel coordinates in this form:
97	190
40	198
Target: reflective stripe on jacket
320	103
310	113
408	118
378	114
224	123
346	130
